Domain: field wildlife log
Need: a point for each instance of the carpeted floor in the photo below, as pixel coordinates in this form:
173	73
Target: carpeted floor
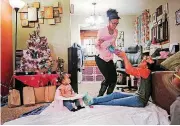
8	114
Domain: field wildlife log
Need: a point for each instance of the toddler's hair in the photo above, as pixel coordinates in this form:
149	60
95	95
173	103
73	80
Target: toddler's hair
61	77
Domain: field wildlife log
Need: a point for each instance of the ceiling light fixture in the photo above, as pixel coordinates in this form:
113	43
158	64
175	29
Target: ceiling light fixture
94	19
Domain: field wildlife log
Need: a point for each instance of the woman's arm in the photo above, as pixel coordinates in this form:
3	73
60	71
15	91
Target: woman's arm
135	71
99	40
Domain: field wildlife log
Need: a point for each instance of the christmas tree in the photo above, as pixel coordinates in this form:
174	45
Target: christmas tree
38	53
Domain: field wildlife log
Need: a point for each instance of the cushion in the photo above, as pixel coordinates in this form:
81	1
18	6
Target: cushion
172	62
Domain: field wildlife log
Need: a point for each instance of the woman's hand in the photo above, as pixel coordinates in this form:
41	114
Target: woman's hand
121	54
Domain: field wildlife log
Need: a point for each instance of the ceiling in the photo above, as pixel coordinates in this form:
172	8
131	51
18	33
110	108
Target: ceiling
124	7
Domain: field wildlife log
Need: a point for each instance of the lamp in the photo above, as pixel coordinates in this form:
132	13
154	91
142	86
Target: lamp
94	19
16	4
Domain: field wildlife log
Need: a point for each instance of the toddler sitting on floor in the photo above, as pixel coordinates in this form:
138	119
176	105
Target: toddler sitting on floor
67	92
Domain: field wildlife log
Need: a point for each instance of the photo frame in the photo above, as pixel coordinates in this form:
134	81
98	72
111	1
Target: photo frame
32	14
56	13
51	21
24	23
48	12
177	14
23	16
120	39
154	18
36	5
41	21
159	11
60	10
56	4
40	14
31	24
58	19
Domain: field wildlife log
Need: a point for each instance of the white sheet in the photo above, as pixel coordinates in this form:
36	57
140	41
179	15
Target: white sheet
99	115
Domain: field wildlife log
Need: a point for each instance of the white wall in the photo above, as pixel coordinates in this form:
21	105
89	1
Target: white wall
126	24
76	20
174	5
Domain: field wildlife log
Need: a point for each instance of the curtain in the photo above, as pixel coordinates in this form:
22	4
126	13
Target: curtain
141	28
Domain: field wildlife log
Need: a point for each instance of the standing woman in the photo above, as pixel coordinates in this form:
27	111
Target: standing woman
104	58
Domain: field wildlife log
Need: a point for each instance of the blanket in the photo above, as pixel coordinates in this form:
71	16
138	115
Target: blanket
98	115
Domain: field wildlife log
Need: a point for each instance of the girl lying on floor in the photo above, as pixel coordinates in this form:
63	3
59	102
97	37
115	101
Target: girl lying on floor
139	99
67	92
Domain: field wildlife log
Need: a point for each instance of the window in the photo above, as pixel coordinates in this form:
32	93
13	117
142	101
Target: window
89	46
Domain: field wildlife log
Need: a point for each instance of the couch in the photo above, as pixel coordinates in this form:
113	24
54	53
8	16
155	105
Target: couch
164	93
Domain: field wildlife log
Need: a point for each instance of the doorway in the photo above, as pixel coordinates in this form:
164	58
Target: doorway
91	72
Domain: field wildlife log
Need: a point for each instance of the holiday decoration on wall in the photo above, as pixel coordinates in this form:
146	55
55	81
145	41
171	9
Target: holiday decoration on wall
34	13
38	54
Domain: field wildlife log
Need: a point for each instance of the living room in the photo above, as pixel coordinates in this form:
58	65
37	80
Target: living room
153	25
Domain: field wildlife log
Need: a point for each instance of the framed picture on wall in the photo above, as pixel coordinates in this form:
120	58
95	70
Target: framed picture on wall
40	14
177	13
60	10
154	18
24	23
58	19
31	24
41	21
56	4
120	39
36	5
159	11
48	12
56	13
23	16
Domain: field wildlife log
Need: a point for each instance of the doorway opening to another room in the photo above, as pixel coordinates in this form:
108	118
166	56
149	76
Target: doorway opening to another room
90	72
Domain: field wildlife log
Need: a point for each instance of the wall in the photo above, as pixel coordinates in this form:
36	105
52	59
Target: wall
174	5
6	45
58	36
126	24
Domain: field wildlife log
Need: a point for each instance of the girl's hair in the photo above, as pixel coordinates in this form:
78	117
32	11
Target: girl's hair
112	14
61	77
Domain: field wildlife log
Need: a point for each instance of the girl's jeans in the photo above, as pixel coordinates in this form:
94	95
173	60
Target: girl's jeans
119	99
68	103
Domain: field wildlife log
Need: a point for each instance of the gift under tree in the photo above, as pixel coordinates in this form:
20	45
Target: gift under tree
37	54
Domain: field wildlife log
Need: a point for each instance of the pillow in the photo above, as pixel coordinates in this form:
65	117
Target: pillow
172	62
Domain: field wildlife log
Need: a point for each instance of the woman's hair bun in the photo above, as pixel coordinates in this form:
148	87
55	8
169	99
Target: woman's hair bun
112	14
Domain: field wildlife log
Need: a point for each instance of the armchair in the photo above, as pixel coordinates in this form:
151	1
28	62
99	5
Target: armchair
134	54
